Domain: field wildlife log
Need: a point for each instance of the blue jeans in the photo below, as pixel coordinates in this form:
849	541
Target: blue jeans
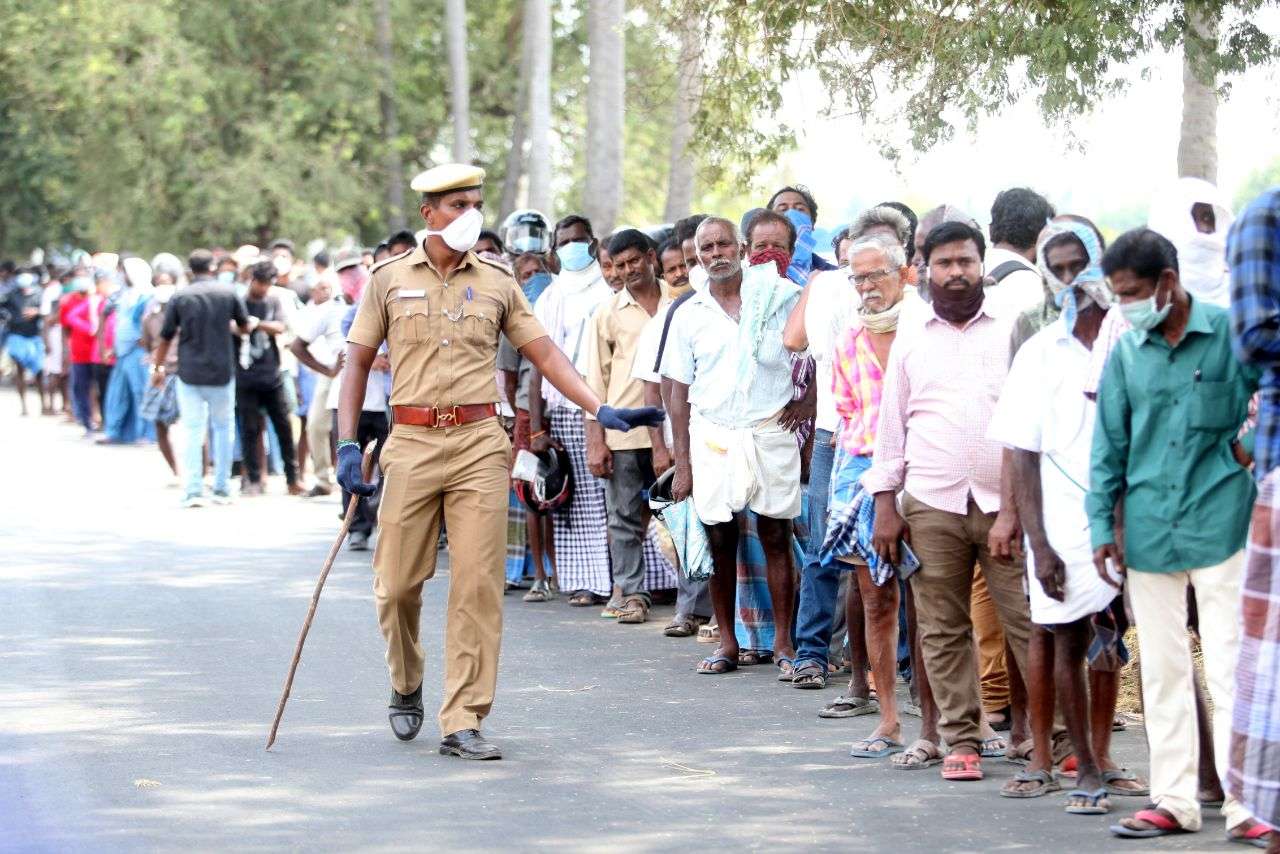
818	585
207	408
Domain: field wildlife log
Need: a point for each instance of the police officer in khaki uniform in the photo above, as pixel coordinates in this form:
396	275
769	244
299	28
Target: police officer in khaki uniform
440	309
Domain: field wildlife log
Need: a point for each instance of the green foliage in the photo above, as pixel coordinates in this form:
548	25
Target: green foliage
1258	182
923	66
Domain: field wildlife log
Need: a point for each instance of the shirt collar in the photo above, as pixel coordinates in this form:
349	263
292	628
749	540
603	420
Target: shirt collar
1197	321
419	256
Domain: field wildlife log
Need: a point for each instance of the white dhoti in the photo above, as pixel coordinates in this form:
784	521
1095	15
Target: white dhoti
755	468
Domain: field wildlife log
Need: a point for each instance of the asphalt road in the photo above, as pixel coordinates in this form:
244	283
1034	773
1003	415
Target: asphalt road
143	647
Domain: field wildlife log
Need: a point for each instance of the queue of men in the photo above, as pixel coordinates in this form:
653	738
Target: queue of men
969	460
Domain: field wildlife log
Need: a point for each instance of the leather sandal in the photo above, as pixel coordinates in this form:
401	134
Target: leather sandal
634	609
406	714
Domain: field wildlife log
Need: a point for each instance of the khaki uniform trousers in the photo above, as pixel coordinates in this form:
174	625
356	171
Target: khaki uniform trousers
948	544
463	472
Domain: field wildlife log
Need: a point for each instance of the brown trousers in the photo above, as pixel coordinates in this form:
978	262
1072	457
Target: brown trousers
464	474
993	674
948	545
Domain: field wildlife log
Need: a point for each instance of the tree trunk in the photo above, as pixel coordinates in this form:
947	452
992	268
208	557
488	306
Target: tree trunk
519	127
537	33
455	15
1198	143
606	102
392	164
688	84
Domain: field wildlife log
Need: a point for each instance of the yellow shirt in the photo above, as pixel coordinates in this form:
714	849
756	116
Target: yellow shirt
442	334
612	340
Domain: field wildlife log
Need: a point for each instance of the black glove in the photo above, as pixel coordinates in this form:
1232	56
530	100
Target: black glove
349	475
629	419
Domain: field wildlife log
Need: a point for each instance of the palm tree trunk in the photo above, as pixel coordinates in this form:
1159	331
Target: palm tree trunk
606	102
1198	143
688	85
537	33
455	16
515	165
393	165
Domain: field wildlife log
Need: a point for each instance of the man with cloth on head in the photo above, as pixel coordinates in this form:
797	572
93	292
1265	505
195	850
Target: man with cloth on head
440	309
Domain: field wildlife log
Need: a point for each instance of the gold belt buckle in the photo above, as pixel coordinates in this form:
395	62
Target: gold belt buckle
449	416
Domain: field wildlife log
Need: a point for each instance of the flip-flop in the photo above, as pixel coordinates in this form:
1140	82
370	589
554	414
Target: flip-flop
1253	836
993	747
1161	825
857	706
1109	779
921	754
752	657
1048	782
890	747
1096	802
708	665
1019	754
962	767
786	669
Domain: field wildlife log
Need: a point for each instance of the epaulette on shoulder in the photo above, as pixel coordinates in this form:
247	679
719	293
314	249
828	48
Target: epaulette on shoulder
385	261
497	265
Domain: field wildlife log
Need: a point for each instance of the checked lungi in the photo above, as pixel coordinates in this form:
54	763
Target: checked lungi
1254	772
581	529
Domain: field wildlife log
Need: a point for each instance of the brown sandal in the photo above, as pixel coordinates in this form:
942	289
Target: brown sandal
633	610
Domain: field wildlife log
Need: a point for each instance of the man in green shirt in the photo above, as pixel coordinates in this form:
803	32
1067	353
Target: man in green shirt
1170	406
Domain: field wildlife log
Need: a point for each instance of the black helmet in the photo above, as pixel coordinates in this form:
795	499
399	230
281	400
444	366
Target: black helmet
553	487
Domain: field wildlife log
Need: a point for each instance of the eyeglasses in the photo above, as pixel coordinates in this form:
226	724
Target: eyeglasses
874	278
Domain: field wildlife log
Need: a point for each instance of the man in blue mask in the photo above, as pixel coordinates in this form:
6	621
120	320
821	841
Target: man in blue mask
565	310
1167	439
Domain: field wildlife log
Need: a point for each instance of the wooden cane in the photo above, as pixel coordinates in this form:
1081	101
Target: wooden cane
366	467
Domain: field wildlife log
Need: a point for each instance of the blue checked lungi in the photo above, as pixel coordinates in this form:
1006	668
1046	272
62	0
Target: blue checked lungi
851	519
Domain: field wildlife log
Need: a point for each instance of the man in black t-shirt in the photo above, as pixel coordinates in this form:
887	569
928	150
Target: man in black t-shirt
201	316
260	384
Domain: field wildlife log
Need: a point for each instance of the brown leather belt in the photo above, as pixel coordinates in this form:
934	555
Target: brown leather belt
449	416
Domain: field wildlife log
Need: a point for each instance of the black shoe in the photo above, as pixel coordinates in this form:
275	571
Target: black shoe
358	542
467	744
406	714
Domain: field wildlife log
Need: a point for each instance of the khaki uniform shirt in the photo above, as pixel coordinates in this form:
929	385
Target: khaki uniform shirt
612	341
442	335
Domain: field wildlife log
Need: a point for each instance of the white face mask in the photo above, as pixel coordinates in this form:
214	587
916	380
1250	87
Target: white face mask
461	234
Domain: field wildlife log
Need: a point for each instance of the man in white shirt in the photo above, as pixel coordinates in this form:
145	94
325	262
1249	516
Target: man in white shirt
1044	417
320	346
1014	284
565	309
731	382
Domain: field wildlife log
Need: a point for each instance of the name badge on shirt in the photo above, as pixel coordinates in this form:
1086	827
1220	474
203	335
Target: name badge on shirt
408	294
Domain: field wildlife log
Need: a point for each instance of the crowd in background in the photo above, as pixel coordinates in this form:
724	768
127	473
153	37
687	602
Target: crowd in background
966	459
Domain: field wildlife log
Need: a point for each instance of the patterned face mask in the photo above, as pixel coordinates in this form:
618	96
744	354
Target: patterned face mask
1090	281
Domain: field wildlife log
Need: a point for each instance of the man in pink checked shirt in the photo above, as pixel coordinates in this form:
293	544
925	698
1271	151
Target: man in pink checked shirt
941	387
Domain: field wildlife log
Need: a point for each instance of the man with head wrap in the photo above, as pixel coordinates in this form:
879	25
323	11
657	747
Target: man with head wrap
1194	216
1046	421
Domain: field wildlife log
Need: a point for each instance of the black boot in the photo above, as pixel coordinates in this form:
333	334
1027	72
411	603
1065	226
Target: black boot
468	744
406	714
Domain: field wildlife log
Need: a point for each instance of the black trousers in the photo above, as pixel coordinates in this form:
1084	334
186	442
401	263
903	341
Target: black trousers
372	427
250	403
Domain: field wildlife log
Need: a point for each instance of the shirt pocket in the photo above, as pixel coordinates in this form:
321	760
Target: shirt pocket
409	322
480	324
1211	406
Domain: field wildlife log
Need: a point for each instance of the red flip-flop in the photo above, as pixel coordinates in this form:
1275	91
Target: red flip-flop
962	767
1161	825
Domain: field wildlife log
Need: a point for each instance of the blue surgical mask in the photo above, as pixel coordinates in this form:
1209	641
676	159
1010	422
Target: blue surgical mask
575	256
226	277
1144	314
535	285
